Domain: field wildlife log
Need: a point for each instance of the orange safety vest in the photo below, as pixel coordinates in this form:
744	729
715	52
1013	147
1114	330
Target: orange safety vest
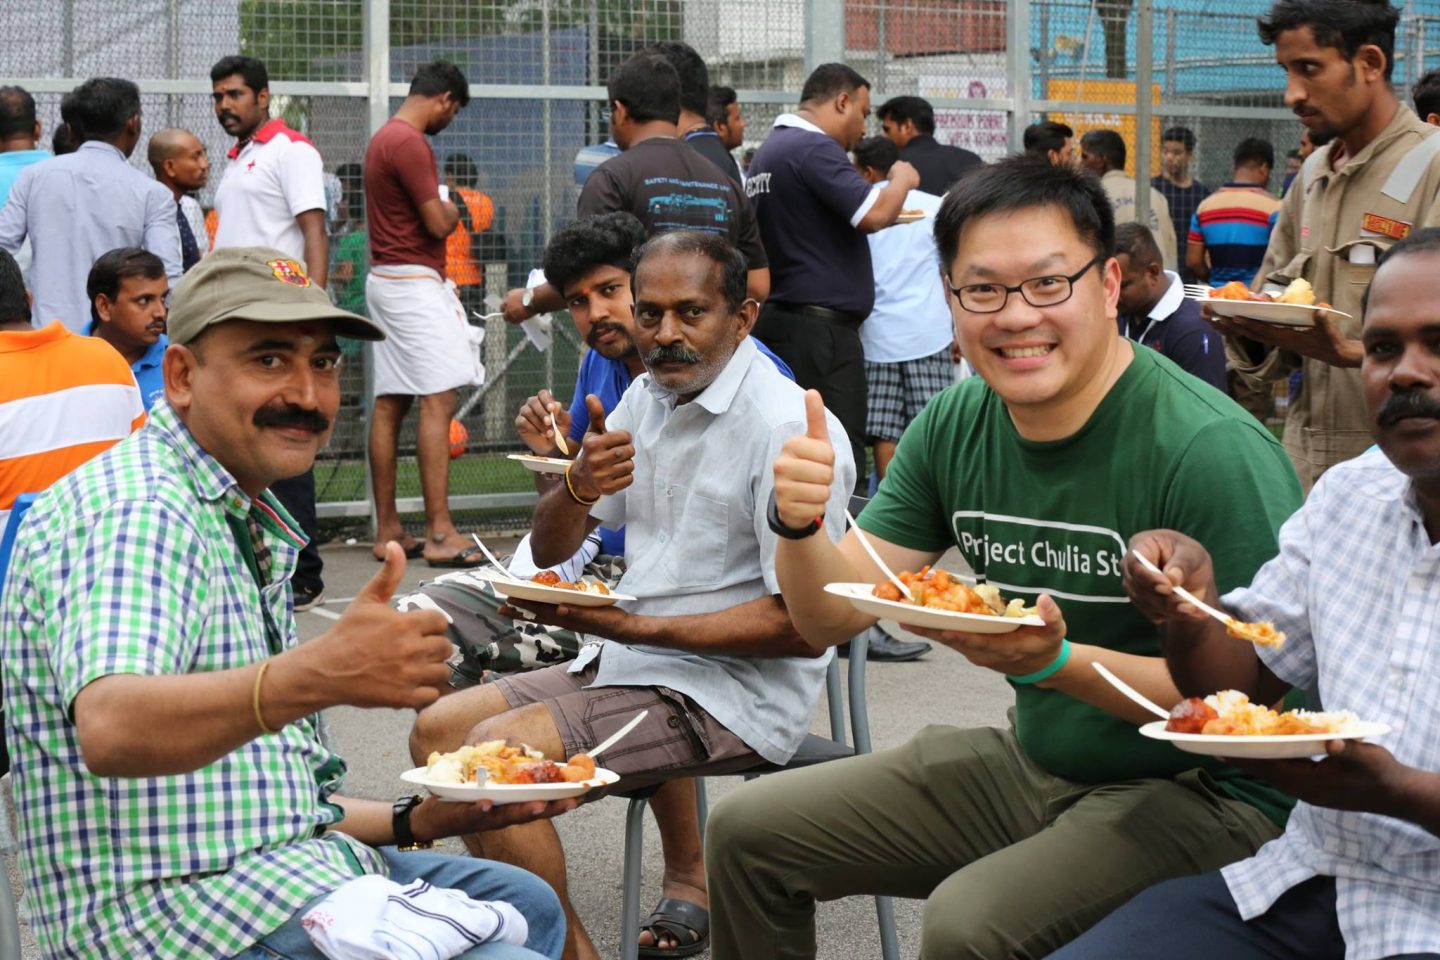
460	263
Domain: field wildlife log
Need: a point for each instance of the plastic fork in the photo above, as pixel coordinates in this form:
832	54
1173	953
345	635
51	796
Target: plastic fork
1238	629
559	437
865	542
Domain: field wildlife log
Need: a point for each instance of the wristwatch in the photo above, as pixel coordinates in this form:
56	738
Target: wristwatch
772	517
400	825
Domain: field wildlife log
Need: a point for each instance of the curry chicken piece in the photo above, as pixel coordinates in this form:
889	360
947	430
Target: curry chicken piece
935	589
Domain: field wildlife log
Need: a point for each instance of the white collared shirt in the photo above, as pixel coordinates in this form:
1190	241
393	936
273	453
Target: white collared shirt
272	179
1356	590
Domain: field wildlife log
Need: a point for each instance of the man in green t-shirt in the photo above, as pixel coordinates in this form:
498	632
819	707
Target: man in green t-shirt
1039	470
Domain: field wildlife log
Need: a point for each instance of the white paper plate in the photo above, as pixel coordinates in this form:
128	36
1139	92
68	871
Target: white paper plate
1280	314
1293	747
502	793
529	590
540	464
864	599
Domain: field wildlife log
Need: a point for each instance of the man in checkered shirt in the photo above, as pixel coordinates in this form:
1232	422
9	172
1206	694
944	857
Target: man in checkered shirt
1356	590
174	798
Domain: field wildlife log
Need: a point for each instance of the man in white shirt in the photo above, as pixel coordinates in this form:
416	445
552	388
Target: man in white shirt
1355	590
180	162
907	336
76	207
272	193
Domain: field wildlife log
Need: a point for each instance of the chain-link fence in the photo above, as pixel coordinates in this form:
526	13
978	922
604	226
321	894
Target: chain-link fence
537	69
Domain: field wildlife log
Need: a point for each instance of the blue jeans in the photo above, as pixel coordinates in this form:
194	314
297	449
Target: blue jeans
1195	918
481	879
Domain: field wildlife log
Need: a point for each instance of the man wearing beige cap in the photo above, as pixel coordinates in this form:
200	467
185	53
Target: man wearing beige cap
174	798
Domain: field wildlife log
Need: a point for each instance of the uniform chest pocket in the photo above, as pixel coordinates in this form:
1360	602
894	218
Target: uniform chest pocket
698	537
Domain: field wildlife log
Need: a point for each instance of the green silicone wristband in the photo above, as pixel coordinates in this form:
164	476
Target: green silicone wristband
1056	665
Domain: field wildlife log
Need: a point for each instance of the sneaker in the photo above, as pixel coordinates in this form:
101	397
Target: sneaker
308	598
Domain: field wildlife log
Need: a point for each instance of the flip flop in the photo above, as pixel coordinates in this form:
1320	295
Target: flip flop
683	921
415	551
464	560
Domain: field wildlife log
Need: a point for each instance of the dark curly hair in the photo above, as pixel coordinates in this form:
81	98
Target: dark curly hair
609	239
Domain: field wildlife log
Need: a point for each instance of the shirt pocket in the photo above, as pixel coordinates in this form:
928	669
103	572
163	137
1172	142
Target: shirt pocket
698	537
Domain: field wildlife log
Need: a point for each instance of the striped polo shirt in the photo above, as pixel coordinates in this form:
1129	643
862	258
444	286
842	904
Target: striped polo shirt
1234	224
63	399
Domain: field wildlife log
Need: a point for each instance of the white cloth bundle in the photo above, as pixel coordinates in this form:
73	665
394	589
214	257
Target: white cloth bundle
374	918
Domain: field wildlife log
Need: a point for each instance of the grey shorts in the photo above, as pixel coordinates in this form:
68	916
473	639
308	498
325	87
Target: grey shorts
677	739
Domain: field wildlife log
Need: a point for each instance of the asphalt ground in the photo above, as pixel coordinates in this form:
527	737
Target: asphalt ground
941	687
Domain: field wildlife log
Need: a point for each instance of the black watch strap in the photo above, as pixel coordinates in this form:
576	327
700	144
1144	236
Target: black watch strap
400	824
772	517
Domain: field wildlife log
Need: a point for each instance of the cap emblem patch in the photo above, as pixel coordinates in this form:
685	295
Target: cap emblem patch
289	271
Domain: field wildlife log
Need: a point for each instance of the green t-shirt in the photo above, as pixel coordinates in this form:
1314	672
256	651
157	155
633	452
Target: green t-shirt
1163	449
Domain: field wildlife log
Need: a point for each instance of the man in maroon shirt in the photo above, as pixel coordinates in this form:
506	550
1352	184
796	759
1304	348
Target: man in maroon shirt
428	351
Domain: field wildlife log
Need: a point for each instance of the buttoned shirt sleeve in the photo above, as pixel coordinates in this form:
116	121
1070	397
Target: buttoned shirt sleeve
132	602
12	213
302	179
1280	593
162	232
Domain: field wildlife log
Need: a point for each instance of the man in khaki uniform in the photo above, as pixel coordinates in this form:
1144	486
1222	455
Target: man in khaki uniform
1102	152
1374	183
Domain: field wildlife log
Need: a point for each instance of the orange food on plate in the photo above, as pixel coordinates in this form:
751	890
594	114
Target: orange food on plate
940	590
549	578
1230	713
1234	290
506	764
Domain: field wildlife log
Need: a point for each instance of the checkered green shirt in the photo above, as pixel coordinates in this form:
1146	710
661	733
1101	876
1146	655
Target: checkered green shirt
130	566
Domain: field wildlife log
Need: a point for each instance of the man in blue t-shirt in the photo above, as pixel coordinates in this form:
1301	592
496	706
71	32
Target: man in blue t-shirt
814	210
19	136
127	290
1155	312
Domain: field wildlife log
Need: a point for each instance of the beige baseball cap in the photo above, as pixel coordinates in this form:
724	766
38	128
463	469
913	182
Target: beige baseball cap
254	283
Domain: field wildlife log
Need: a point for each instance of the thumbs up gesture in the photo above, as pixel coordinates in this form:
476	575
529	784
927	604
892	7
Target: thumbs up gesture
805	469
376	656
606	463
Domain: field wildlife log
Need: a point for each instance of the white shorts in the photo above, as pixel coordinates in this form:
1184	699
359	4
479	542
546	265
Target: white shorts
428	347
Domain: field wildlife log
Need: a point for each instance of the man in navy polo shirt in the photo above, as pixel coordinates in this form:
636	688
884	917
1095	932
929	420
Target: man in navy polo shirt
127	290
814	210
1155	312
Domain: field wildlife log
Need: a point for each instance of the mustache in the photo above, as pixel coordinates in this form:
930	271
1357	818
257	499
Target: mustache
673	353
600	329
292	416
1402	405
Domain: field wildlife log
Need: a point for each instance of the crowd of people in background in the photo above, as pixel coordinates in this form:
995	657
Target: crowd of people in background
1004	359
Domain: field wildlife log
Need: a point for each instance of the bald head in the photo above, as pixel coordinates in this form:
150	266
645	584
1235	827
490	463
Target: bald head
178	158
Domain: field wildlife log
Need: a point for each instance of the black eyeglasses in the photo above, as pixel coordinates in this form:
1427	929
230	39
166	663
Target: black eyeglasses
1038	291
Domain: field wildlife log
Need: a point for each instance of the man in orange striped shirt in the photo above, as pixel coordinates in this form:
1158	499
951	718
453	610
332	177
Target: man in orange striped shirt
63	398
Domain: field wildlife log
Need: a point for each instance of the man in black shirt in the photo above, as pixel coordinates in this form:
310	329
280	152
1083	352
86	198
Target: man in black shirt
695	128
814	210
723	115
659	178
909	123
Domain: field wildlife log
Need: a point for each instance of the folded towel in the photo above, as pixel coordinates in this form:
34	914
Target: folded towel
374	918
